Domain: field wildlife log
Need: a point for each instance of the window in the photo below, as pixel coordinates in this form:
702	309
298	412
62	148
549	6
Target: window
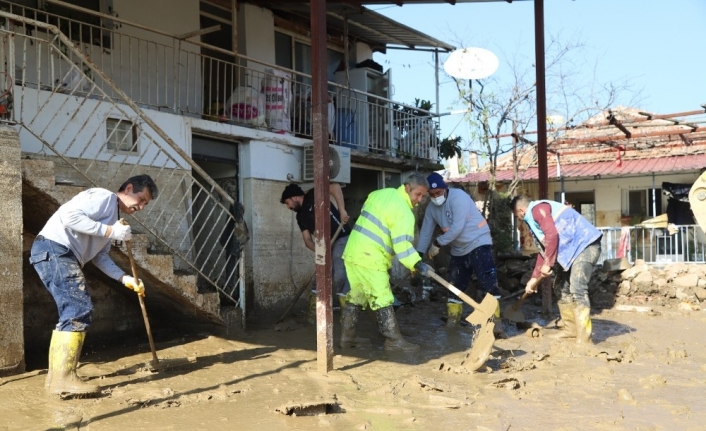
121	136
640	203
78	26
296	55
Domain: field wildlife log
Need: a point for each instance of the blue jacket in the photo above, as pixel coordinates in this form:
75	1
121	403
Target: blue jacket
575	232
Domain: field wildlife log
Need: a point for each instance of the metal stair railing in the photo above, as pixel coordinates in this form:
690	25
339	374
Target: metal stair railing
62	107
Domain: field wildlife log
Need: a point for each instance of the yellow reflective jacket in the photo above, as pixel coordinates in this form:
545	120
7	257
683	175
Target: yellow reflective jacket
385	228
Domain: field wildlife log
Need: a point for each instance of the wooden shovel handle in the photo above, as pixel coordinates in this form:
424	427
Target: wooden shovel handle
467	299
155	359
305	285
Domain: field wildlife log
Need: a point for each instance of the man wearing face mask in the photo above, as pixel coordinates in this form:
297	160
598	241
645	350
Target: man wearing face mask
467	231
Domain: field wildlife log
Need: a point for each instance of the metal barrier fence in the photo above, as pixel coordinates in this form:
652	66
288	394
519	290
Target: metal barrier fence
685	243
193	78
71	112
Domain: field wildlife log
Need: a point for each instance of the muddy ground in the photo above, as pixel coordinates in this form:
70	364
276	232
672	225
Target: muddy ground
645	372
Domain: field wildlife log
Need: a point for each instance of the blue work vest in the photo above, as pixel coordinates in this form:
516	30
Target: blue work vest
575	232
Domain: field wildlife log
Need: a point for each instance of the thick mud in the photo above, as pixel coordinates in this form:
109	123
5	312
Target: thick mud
645	371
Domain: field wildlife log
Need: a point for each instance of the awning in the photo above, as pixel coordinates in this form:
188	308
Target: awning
378	31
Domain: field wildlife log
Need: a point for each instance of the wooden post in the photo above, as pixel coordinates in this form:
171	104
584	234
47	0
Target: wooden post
322	236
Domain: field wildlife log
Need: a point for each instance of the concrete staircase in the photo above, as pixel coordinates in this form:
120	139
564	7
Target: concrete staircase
168	291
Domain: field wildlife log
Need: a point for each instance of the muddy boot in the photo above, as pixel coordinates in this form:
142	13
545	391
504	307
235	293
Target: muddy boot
391	330
47	381
583	324
63	357
349	318
454	310
498	331
566	311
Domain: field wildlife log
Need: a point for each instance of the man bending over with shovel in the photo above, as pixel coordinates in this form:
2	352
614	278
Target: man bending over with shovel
384	229
566	238
78	232
303	205
467	231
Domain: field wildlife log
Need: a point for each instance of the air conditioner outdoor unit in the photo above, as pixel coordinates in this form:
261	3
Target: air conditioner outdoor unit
339	164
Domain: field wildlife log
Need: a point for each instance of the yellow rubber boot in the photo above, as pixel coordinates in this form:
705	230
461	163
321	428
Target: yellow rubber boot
584	327
47	381
568	318
63	356
454	310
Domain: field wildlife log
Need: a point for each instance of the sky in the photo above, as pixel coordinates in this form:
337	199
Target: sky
658	46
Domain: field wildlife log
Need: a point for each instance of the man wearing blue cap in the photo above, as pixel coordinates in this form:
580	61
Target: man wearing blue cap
467	231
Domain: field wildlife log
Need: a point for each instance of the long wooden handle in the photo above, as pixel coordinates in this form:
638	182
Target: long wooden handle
311	277
467	299
155	359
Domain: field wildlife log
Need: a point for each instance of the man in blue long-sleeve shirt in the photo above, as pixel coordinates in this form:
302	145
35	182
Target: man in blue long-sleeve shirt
78	232
467	231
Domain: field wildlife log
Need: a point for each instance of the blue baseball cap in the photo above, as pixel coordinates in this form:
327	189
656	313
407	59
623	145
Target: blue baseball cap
436	181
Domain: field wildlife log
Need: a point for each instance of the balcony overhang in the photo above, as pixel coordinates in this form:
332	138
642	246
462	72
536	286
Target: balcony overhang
365	25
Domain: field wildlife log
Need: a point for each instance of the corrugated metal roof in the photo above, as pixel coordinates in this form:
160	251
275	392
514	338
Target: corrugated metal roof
364	24
606	169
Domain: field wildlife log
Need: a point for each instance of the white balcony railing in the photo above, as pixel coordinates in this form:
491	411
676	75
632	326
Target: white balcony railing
655	245
161	71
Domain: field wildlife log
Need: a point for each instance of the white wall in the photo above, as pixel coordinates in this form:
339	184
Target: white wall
608	192
258	26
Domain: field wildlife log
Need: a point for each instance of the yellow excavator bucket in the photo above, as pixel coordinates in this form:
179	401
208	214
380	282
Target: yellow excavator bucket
697	199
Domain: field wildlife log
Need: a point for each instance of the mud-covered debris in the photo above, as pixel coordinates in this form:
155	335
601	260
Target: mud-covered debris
287	325
507	383
512	364
429	385
610	356
314	408
674	354
625	395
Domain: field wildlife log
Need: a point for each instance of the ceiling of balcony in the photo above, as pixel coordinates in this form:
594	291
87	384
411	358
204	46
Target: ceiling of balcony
365	25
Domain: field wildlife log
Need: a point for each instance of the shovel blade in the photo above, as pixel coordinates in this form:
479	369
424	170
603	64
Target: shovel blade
481	347
484	312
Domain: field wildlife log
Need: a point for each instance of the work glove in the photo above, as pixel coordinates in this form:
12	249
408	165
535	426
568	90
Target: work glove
121	232
423	268
134	284
433	250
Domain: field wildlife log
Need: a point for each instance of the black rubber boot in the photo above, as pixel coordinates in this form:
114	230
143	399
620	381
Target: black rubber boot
349	318
390	330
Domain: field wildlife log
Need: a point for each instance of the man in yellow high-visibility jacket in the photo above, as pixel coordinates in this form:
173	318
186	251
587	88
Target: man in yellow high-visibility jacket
384	229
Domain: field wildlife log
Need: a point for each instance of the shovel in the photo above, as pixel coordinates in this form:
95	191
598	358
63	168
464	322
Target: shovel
156	364
306	285
514	311
483	315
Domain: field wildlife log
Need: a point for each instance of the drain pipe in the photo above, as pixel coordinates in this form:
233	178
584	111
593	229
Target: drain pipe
654	200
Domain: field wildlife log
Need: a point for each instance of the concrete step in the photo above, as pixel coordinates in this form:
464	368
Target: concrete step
166	288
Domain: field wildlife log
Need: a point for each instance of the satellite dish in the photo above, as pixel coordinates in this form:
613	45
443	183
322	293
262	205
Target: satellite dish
471	63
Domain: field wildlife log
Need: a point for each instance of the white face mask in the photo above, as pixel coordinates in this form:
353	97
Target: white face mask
439	200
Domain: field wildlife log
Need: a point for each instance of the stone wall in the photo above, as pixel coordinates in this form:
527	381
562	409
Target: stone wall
11	311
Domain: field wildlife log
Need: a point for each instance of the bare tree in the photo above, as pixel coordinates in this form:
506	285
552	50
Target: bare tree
500	112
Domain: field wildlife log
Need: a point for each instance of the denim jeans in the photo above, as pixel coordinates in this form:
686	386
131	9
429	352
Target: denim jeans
61	274
339	279
479	262
572	285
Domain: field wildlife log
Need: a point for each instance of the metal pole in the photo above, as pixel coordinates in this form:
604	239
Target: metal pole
542	170
654	200
322	236
436	78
